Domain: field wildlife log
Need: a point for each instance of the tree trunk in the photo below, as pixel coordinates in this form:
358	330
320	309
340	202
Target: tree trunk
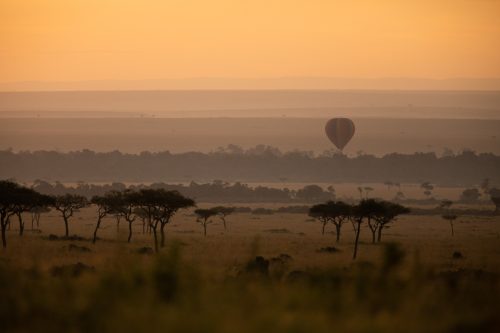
33	221
143	226
323	229
66	225
3	225
356	241
379	238
21	224
373	229
224	222
96	228
155	239
129	231
162	232
37	220
205	229
4	240
337	227
451	224
118	218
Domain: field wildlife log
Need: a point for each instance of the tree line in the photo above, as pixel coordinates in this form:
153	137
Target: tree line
260	164
376	214
220	191
157	207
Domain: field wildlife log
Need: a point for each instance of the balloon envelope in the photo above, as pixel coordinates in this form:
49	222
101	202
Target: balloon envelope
340	131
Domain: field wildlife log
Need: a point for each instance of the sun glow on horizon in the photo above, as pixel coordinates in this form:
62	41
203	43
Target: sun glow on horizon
59	40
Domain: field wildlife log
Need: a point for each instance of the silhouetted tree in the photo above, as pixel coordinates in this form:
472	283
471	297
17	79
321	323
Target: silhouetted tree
470	195
321	213
204	216
106	204
36	213
223	212
126	202
389	212
25	200
143	215
336	213
373	209
160	206
361	212
67	205
495	198
450	218
311	193
7	205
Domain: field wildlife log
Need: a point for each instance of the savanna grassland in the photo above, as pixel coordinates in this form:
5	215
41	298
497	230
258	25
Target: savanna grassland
274	273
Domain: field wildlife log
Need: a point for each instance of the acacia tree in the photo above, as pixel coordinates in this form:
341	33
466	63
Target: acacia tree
141	213
336	213
341	213
25	199
67	205
363	211
495	198
223	212
321	213
204	216
160	206
390	211
7	205
15	200
36	213
450	218
125	204
373	211
171	202
106	204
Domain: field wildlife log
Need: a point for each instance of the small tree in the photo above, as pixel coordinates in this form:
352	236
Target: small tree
495	198
160	206
372	210
67	205
336	213
470	195
204	216
25	200
125	204
223	212
36	213
389	212
321	213
450	218
363	211
106	205
7	205
143	215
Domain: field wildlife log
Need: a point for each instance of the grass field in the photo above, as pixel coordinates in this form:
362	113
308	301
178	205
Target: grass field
412	281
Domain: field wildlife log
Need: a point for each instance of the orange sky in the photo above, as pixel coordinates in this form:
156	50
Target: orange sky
73	40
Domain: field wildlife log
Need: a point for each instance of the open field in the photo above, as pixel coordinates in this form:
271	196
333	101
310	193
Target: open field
267	235
214	283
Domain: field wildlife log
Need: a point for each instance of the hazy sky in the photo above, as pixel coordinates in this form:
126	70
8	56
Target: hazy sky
72	40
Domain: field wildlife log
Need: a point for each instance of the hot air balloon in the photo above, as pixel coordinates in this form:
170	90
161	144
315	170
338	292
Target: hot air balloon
340	131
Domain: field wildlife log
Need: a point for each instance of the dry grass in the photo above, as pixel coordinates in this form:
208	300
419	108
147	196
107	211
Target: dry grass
201	284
